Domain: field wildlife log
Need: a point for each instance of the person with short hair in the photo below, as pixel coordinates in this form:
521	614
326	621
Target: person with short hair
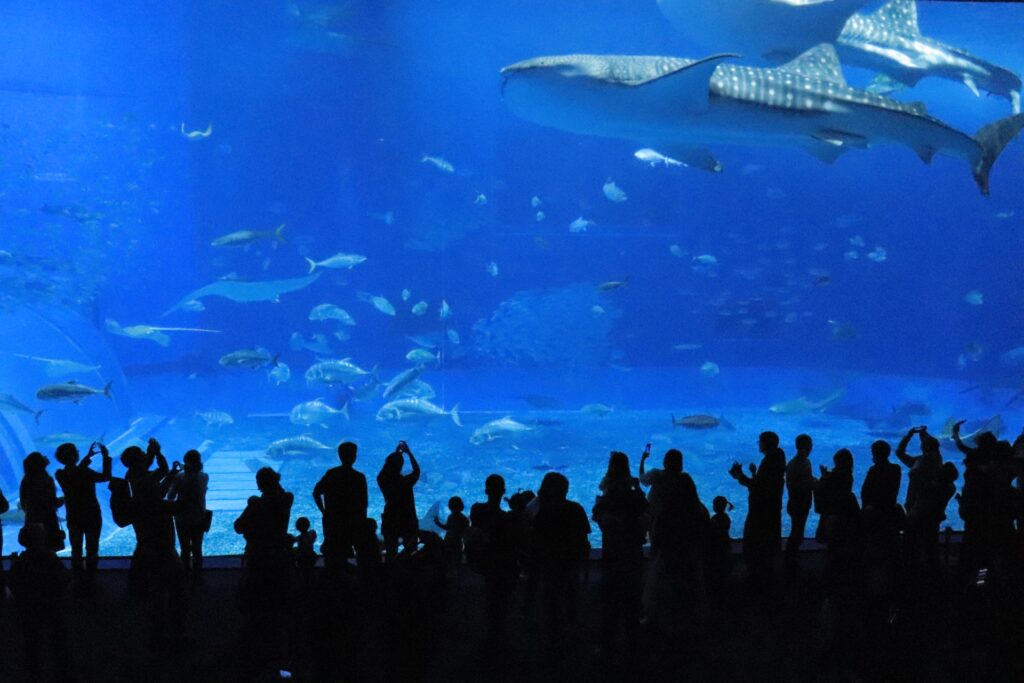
191	518
341	497
84	519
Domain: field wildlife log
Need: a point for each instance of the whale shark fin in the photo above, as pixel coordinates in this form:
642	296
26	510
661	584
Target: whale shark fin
899	16
827	150
685	86
820	62
992	139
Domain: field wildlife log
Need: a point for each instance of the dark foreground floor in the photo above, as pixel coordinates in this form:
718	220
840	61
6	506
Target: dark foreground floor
790	634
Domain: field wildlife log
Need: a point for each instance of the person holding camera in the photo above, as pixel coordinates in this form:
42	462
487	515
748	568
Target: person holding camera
399	521
78	482
191	518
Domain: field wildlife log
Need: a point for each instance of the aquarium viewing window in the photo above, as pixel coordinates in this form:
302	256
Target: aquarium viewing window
260	229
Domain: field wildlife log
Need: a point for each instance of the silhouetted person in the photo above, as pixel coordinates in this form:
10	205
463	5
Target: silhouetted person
341	497
39	583
191	518
839	526
619	512
38	499
522	507
305	551
263	593
679	533
491	549
925	489
84	519
800	486
155	574
981	500
882	518
399	522
671	462
4	507
763	526
560	548
454	531
719	560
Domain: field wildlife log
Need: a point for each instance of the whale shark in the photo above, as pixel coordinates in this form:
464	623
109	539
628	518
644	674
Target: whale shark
684	105
776	30
889	41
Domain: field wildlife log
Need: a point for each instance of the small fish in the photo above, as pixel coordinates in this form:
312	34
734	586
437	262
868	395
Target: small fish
709	369
599	409
387	218
696	422
481	199
216	418
280	374
453	337
688	347
439	163
705	260
423	357
331	312
196	134
851	255
676	251
613	284
193	306
974	297
842	331
406	294
653	158
315	412
334	372
1004	215
877	255
613	192
445	311
299	446
883	85
419	308
597	309
580	225
337	261
856	241
492	269
504	428
317	344
378	302
535	202
252	359
539	216
241	238
70	391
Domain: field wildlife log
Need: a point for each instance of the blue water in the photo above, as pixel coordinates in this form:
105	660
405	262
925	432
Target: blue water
321	114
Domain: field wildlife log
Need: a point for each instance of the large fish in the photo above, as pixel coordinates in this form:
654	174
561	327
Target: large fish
245	292
802	405
148	332
889	41
55	367
70	391
404	408
684	105
9	404
504	428
242	238
774	29
335	372
401	381
296	446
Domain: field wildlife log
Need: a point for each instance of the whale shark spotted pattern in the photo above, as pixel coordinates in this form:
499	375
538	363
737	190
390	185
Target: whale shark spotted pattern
684	105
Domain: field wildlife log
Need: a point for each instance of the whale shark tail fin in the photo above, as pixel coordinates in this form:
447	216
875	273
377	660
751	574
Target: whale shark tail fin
993	138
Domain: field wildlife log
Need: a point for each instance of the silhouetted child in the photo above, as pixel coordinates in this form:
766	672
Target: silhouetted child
454	530
305	555
39	582
720	550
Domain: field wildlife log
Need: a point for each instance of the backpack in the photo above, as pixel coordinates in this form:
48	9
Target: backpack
121	503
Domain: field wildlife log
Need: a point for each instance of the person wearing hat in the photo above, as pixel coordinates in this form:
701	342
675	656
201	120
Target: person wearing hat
78	482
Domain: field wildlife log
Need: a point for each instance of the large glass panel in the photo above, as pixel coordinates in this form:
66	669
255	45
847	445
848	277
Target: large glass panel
207	206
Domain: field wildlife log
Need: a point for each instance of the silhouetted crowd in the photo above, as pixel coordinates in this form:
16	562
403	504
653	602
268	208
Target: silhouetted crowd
664	560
